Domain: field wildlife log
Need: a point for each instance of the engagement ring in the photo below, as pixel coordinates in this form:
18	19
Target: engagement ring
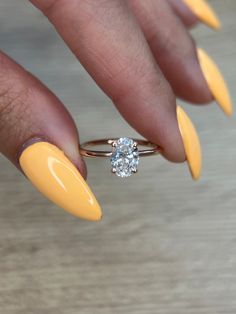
124	153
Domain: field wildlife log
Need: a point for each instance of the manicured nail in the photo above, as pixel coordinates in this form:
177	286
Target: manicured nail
204	12
191	143
53	174
216	82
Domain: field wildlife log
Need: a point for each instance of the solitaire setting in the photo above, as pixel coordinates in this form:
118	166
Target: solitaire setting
124	153
125	157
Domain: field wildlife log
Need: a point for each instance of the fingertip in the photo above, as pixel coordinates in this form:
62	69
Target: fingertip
173	149
188	18
200	93
204	12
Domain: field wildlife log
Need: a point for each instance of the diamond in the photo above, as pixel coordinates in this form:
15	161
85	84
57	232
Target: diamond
125	157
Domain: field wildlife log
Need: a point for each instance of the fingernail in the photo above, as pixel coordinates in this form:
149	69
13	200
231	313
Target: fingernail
204	12
216	82
191	143
53	174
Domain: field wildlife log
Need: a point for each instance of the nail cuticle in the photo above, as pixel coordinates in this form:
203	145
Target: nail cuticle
29	142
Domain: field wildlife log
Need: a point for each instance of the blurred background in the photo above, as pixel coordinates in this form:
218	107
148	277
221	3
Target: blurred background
165	245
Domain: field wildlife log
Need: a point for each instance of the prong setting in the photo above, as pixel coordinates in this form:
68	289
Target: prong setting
113	170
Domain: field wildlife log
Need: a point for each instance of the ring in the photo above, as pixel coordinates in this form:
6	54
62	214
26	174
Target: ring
124	154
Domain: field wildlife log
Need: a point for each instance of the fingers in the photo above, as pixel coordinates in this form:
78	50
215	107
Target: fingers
210	71
39	136
173	49
106	38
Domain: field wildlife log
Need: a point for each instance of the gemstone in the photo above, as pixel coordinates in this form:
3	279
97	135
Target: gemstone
125	157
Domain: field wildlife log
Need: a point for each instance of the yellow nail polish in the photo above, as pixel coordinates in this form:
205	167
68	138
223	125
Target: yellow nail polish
191	143
52	173
215	82
204	12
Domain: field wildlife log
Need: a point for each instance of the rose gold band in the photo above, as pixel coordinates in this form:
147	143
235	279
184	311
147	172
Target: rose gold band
87	152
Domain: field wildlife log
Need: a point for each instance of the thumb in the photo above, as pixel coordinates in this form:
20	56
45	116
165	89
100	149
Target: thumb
39	136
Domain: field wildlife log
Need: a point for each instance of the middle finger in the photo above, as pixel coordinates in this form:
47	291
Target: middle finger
173	48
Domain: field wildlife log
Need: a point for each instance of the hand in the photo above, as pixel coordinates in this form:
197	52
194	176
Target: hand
141	54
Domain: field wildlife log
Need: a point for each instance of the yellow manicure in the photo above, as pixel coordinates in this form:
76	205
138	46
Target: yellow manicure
215	82
52	173
191	143
204	12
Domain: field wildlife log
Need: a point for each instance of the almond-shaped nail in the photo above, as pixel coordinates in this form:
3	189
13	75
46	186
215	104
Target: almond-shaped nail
204	12
216	82
53	174
191	143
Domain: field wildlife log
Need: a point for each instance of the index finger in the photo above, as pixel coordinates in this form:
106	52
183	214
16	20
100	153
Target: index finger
106	38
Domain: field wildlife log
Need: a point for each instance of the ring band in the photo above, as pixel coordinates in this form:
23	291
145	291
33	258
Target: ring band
124	154
85	151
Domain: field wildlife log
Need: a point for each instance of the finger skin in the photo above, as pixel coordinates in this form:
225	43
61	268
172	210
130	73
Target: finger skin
185	14
106	38
173	48
28	108
39	136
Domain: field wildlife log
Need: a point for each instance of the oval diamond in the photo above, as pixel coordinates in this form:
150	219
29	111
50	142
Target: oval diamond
125	157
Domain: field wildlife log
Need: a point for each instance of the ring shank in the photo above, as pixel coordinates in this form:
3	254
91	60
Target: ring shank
152	149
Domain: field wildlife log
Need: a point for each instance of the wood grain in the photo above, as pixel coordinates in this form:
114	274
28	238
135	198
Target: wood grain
165	246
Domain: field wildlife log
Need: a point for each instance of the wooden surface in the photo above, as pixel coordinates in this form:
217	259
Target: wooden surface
166	245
